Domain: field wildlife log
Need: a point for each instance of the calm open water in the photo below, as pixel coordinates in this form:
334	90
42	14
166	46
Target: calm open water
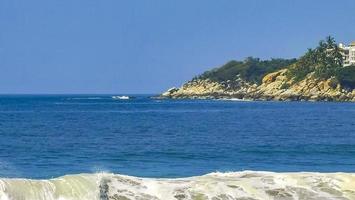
50	136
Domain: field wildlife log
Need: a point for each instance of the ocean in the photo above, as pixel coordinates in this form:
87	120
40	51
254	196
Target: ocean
83	146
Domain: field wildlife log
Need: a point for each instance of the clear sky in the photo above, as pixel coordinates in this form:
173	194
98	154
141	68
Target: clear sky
147	46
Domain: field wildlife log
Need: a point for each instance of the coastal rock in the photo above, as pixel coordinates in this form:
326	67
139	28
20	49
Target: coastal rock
269	78
279	86
170	91
274	86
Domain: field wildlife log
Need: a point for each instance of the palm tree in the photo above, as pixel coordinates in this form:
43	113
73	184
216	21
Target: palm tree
337	56
329	58
330	42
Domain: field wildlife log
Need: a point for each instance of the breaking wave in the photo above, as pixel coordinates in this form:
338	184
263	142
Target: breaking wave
246	185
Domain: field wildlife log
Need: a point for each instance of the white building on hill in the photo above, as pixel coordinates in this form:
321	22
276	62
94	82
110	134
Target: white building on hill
348	53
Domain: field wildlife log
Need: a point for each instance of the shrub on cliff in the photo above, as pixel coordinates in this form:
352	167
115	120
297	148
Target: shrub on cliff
346	76
251	69
304	66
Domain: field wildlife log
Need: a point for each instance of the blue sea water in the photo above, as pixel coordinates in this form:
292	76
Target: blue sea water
44	136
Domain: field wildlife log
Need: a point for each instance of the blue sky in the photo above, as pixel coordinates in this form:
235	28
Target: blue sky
147	46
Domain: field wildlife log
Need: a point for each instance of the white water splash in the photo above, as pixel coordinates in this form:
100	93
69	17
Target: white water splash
247	185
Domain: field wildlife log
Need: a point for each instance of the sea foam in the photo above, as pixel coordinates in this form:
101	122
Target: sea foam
246	185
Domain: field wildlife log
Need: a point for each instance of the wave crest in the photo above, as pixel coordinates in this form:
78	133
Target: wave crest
246	185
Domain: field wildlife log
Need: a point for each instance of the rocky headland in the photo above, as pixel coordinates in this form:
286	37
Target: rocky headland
309	78
275	86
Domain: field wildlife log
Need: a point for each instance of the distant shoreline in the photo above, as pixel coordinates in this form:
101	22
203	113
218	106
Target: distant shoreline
321	74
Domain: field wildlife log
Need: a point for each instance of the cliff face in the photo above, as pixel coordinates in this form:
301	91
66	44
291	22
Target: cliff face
200	88
274	86
277	86
318	75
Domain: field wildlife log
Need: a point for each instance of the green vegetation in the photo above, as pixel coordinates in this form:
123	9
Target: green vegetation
251	69
346	76
325	61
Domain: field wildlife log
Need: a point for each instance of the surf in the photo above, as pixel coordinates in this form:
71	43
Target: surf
251	185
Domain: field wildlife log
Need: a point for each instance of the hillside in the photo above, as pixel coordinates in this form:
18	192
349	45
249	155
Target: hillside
251	69
318	75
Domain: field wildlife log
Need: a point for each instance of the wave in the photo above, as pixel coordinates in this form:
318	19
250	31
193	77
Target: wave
234	99
246	185
121	97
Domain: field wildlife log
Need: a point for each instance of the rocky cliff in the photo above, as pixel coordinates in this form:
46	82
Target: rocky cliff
318	75
274	86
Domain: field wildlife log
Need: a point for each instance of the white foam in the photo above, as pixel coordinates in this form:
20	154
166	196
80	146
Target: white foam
235	99
121	97
214	186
